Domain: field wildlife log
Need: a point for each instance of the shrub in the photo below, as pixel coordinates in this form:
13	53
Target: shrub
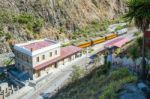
65	44
136	33
2	75
6	16
104	69
2	33
111	90
8	36
38	23
108	94
90	50
129	79
7	62
23	18
119	28
120	73
77	73
32	24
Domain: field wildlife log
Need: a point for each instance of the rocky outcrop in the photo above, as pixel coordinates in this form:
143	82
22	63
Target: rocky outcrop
135	91
69	15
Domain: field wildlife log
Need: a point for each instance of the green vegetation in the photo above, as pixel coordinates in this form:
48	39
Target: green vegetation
23	18
65	44
2	75
7	36
102	83
7	62
2	33
5	17
10	22
120	27
133	52
111	90
117	79
92	29
77	73
32	24
90	50
136	33
139	12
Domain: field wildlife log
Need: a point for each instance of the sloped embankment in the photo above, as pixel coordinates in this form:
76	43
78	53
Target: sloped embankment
98	85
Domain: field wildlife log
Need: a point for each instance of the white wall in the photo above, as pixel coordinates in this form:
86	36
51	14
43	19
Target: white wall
47	56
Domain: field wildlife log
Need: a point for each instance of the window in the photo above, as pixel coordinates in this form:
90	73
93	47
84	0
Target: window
55	52
43	57
29	59
50	54
37	59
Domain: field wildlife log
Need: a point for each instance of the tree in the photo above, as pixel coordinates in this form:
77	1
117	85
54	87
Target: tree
139	11
134	55
77	73
96	60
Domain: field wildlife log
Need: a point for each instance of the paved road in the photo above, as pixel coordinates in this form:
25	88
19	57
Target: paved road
61	75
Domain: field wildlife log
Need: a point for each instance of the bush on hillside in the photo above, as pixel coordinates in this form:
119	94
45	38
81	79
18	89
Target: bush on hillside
104	69
77	73
32	23
117	79
120	73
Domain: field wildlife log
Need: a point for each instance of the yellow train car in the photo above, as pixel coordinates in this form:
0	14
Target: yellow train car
111	36
87	43
98	40
84	44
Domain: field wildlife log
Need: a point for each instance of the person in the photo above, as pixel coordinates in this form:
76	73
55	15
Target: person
114	59
105	58
109	58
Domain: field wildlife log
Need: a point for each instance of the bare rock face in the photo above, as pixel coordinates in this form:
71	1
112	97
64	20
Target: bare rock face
135	91
69	14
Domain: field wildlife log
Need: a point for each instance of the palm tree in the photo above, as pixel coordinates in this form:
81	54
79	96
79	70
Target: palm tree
134	56
139	11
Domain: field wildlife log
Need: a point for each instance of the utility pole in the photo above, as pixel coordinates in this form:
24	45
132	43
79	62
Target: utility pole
86	58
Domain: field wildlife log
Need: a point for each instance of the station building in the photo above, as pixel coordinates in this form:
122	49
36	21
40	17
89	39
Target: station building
39	56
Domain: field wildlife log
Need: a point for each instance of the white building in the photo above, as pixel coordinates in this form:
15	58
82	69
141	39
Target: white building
37	57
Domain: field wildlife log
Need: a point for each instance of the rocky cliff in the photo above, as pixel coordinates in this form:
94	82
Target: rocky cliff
23	20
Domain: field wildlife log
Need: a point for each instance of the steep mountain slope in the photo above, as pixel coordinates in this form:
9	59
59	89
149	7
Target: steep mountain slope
23	20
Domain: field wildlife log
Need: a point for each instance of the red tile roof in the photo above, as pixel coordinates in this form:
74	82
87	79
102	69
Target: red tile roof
113	41
117	42
39	45
64	53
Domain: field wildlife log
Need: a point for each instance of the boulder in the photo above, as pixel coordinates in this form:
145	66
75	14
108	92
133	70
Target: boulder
131	91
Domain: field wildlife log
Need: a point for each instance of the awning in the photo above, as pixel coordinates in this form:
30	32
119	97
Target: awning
117	42
121	43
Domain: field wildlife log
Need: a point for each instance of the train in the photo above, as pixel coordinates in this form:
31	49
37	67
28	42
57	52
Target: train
100	39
